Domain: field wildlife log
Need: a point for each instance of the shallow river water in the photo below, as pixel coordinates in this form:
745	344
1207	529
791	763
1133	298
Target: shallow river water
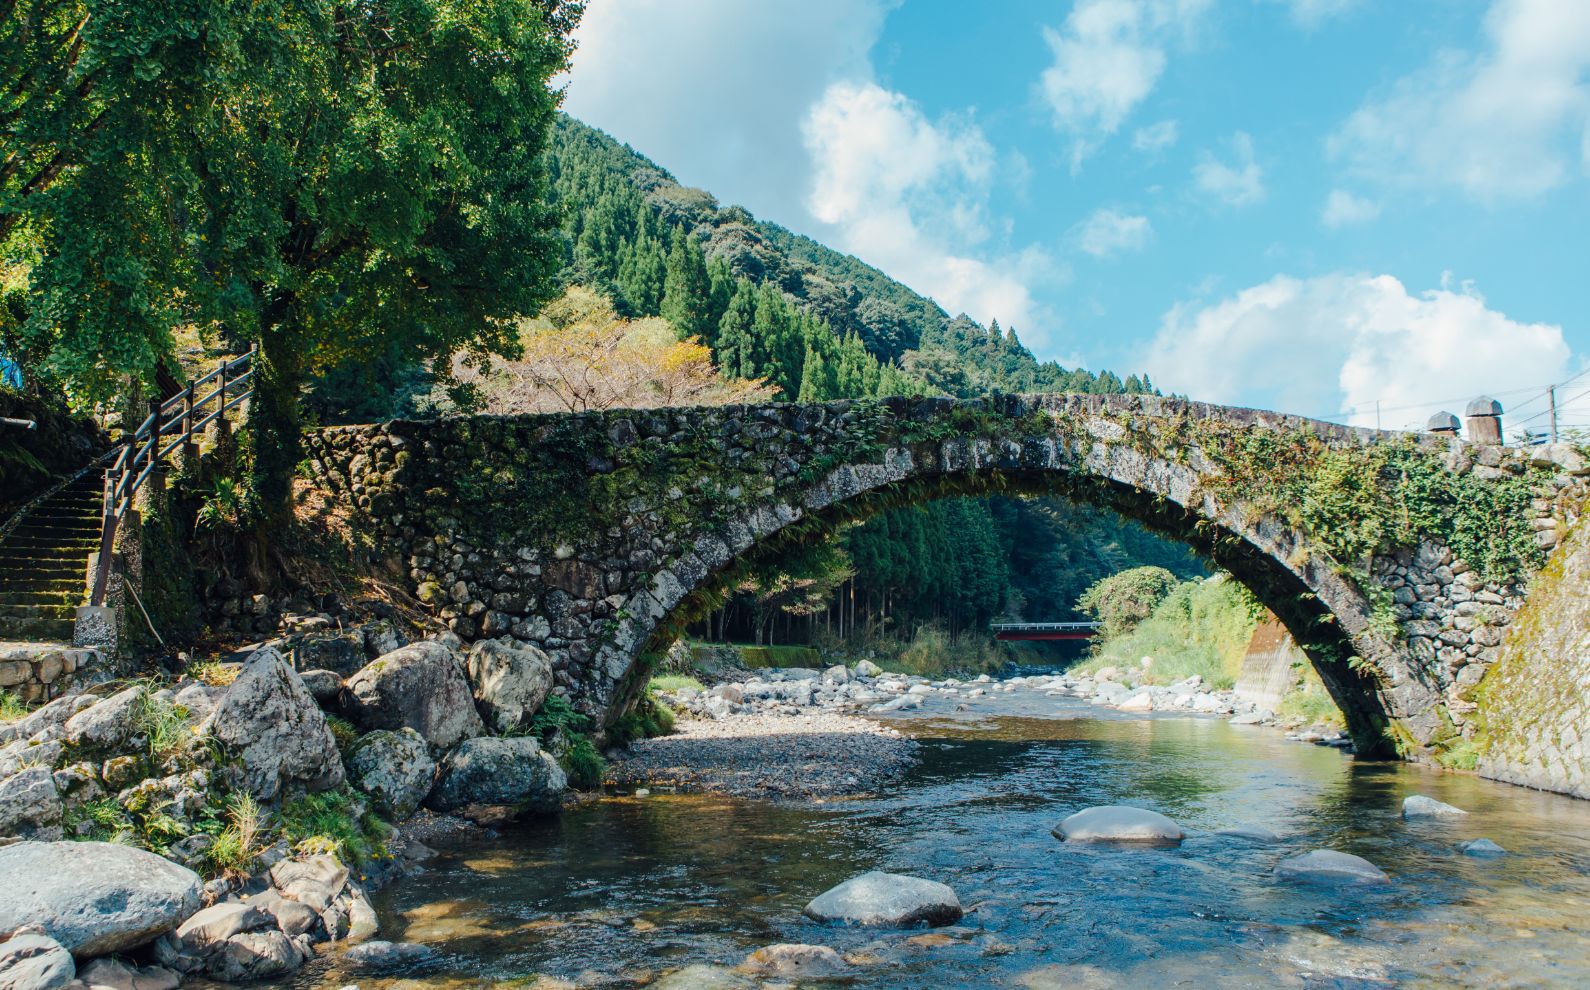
622	890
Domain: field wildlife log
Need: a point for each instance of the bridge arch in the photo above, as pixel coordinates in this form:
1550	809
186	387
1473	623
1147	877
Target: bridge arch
594	535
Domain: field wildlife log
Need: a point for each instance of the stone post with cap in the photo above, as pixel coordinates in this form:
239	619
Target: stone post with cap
1483	417
1442	424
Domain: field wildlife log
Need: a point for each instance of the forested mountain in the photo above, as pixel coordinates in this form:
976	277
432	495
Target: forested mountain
817	325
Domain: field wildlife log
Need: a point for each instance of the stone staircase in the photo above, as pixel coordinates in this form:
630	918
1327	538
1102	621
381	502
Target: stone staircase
44	562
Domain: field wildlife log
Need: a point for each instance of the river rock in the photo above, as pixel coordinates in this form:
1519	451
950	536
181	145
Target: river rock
421	686
50	716
1419	806
1330	867
1140	702
94	897
313	882
381	637
1483	848
199	699
810	962
30	806
394	767
1119	823
258	956
30	960
887	899
509	683
209	928
866	668
837	674
323	685
499	771
110	724
290	916
270	720
387	957
701	976
118	975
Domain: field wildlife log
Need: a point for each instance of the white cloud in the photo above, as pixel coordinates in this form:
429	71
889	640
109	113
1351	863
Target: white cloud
909	195
1312	13
1498	124
1240	183
1155	137
1339	342
715	90
1343	209
1109	232
1107	57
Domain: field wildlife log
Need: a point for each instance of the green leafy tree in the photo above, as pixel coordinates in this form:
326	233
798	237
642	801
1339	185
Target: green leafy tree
340	179
1123	600
687	290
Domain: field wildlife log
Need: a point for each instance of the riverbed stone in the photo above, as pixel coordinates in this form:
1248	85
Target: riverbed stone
257	955
323	686
109	724
1483	849
1251	832
314	881
866	668
509	683
31	960
94	897
387	957
394	767
1328	866
209	928
888	900
1119	823
421	686
512	771
115	974
30	806
701	976
271	721
794	961
1419	806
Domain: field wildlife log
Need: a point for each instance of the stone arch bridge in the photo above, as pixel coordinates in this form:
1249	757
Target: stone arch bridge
596	536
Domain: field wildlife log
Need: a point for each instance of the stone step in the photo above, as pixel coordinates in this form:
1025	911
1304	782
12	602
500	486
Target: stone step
36	629
62	611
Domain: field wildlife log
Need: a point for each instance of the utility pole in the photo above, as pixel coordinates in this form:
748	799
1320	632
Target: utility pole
1377	415
1553	394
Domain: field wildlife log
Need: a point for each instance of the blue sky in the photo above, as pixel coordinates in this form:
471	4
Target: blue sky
1308	205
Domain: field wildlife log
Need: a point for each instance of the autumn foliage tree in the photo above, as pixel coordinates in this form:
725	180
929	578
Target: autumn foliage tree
579	354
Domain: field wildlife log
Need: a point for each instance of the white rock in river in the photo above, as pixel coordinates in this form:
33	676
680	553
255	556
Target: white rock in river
867	668
800	961
94	897
887	899
1329	866
1483	848
1119	823
700	976
1419	806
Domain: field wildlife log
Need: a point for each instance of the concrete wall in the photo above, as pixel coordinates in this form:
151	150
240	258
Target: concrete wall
1272	665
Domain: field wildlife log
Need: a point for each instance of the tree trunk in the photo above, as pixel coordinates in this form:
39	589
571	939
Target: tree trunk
275	428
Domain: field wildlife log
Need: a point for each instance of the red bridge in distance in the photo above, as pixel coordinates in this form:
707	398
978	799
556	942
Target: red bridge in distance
1013	631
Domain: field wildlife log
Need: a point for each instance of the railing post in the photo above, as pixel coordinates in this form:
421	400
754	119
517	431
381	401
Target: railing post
157	473
223	429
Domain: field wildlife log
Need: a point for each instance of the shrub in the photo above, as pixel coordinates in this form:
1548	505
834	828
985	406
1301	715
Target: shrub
1201	627
337	822
583	764
11	707
1123	600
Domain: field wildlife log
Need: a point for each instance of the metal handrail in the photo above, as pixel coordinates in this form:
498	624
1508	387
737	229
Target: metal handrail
139	455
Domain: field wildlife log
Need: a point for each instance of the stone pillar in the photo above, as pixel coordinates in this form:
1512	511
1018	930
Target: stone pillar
1442	424
1484	421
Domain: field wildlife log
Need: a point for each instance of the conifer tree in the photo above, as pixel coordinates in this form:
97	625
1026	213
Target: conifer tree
687	293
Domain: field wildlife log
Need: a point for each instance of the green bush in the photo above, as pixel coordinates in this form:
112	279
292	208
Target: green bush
337	822
647	719
1201	627
583	764
1123	600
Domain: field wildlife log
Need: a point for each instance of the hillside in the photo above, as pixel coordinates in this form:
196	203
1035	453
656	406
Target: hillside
819	324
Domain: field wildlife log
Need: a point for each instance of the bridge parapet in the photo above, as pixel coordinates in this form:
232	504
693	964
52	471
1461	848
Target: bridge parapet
1395	559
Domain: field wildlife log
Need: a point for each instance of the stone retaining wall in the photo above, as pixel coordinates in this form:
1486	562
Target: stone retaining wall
38	672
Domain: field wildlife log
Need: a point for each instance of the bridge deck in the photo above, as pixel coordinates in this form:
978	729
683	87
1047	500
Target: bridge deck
1024	631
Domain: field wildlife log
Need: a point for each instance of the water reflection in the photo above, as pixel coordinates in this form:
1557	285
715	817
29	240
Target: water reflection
620	891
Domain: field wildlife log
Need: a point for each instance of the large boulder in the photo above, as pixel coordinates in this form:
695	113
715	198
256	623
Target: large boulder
30	806
94	897
887	899
271	721
32	961
421	686
394	767
1119	823
495	771
509	683
1327	866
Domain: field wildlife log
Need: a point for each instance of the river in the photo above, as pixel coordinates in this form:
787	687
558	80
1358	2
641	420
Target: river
621	890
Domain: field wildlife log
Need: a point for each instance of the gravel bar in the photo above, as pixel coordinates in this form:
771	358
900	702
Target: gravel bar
769	755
